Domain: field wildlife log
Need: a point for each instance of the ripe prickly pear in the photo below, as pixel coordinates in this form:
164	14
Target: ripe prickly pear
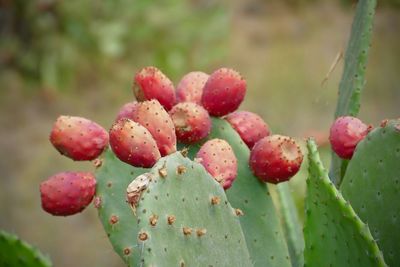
132	143
223	92
345	133
218	159
127	110
153	116
190	88
78	138
249	126
151	83
192	122
275	159
67	193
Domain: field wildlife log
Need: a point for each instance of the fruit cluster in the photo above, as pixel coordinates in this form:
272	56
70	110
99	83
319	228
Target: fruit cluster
149	129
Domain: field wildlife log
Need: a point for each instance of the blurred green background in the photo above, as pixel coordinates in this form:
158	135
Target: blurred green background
79	58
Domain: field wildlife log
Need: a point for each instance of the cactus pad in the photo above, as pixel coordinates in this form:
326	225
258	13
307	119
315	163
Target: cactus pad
260	223
186	220
372	186
113	177
353	78
334	235
291	224
15	252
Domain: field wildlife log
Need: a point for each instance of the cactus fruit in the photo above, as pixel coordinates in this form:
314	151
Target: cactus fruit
192	122
223	92
249	126
372	186
78	138
153	116
16	252
132	143
150	83
334	235
275	159
127	111
176	214
260	222
185	219
190	87
67	193
219	160
345	133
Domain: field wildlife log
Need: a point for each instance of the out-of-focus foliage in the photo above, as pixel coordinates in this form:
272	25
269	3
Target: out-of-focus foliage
51	42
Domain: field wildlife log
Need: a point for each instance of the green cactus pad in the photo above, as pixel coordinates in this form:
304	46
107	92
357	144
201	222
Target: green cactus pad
353	78
15	252
372	186
334	235
203	234
291	224
260	223
119	222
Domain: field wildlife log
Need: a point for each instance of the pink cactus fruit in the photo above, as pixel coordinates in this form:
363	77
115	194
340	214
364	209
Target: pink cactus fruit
190	88
192	122
153	116
150	83
219	160
132	143
275	159
249	126
223	92
345	133
67	193
127	110
78	138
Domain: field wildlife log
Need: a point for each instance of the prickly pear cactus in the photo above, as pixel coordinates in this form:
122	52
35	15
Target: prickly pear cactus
372	186
353	78
291	225
15	252
260	223
119	222
334	235
185	219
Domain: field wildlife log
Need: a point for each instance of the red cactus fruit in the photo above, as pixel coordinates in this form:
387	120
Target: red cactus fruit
132	143
127	110
190	88
151	83
67	193
78	138
249	126
153	116
192	122
223	92
219	160
345	133
275	159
